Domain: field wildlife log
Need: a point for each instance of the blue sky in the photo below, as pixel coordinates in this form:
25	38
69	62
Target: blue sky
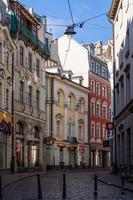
58	13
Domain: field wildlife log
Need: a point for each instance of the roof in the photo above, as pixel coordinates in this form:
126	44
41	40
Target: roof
65	78
113	9
25	12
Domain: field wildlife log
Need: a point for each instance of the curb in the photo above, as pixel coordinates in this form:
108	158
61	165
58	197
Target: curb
115	185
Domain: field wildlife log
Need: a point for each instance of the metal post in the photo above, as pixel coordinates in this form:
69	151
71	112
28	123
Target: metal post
95	187
1	196
64	187
39	187
123	196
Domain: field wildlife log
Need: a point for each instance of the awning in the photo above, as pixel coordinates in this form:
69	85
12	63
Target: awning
5	127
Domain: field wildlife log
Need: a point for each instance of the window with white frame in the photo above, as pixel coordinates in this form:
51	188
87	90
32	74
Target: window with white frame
104	112
98	109
58	127
97	88
69	102
92	131
104	92
58	98
98	132
92	86
69	129
80	132
92	108
97	69
104	132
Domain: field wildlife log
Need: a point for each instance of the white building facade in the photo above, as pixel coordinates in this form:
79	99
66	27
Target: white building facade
122	19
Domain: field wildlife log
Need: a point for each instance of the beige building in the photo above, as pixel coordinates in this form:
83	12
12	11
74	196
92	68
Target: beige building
67	120
29	88
7	48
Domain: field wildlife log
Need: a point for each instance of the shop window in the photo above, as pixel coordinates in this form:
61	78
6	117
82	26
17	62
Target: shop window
35	155
20	152
61	155
3	151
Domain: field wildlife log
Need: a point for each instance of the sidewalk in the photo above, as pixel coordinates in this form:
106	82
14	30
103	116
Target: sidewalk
114	180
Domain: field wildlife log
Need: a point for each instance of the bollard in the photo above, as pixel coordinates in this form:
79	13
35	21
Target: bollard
95	187
64	187
1	196
123	196
39	187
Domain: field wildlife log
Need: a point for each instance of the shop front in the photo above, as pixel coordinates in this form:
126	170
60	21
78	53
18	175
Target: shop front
5	140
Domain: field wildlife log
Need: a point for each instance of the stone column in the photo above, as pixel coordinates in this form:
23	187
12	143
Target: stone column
65	122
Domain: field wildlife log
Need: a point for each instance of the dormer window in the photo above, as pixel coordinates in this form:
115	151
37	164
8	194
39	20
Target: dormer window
70	76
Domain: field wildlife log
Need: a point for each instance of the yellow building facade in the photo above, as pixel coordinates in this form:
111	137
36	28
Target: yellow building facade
67	123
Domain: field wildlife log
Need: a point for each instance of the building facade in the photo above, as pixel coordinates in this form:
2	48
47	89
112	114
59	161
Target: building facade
121	16
99	110
67	122
29	83
7	48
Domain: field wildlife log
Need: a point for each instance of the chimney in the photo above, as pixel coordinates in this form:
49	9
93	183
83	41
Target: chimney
31	11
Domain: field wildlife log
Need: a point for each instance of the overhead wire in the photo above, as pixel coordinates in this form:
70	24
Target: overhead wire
70	11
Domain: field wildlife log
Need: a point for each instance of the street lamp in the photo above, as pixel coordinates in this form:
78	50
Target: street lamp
70	30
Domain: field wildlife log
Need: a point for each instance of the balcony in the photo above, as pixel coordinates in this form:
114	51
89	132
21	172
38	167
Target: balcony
72	139
28	35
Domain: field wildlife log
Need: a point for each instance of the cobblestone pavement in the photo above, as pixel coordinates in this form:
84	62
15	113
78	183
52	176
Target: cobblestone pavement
79	186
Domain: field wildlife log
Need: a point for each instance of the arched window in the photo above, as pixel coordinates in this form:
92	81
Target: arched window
20	128
36	132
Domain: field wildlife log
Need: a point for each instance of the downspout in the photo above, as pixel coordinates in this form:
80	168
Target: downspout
51	114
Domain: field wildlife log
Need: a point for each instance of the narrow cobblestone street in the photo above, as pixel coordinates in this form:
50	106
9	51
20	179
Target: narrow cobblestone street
79	186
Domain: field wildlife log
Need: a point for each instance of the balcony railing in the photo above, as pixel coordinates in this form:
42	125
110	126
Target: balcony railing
29	35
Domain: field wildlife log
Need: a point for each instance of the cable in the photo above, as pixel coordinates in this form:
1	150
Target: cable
70	11
67	52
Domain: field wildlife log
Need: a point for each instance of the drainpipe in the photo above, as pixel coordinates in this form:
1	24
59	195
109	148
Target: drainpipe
51	111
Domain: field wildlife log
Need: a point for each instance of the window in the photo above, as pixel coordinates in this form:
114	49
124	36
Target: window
69	129
80	132
92	67
20	128
21	55
127	86
61	155
97	69
70	102
38	99
30	96
92	86
104	112
58	98
21	91
97	88
92	131
104	91
7	60
98	131
117	98
30	62
36	132
0	53
58	127
104	133
92	108
38	67
98	109
7	99
103	72
46	42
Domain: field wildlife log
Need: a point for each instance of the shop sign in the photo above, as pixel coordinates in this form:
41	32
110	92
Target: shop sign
109	126
61	145
81	148
49	141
